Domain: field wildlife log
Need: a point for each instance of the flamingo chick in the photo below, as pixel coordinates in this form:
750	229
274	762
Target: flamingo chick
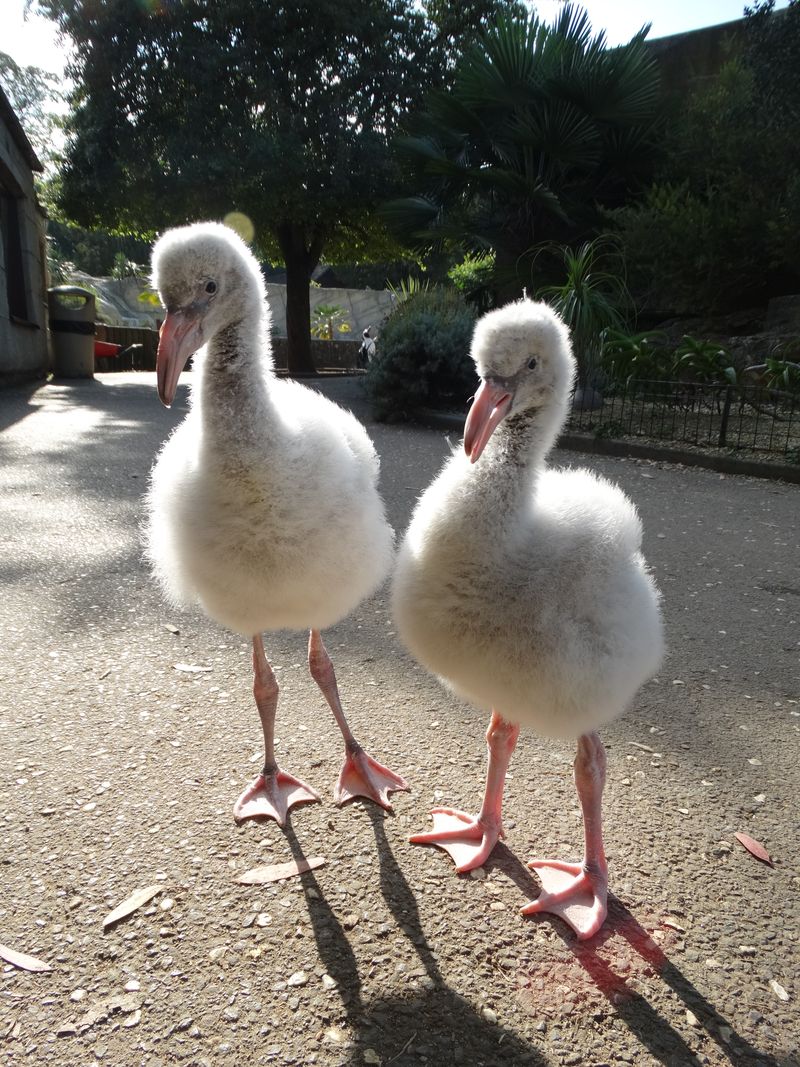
524	589
263	504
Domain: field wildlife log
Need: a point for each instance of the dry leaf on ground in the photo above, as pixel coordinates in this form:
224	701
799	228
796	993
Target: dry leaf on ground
778	990
273	872
755	848
132	904
19	959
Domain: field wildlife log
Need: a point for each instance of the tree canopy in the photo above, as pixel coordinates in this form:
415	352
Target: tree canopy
717	230
35	96
282	112
541	125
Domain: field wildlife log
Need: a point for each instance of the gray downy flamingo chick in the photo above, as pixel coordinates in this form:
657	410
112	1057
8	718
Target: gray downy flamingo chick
524	589
263	505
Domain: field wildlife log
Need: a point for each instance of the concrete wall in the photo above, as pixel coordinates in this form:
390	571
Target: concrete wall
24	341
363	307
119	304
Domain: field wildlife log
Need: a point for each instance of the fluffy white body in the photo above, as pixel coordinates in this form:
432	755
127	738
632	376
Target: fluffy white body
524	588
264	506
274	522
547	613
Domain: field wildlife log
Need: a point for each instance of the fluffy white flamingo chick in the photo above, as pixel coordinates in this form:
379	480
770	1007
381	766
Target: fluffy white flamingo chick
524	589
263	504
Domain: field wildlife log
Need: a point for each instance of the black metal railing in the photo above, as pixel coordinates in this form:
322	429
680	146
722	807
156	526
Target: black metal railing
739	418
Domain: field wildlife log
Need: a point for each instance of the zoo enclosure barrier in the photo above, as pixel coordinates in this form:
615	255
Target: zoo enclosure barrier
735	418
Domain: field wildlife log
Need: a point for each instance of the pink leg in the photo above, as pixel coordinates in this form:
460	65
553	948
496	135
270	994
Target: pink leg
273	792
470	838
361	776
577	891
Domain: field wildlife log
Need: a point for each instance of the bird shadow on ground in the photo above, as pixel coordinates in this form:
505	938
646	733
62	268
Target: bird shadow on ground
433	1021
600	958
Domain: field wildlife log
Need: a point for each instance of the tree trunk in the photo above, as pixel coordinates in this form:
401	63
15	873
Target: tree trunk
298	320
300	262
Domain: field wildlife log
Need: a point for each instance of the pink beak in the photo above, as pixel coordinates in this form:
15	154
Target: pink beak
180	335
490	407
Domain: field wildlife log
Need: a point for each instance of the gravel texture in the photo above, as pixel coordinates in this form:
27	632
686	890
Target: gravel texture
119	771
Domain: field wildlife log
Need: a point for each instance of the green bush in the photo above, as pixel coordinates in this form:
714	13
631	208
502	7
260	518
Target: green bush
634	357
717	231
702	361
592	298
474	278
422	357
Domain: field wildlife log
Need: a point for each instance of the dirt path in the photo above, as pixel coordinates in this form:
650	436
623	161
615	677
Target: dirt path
118	772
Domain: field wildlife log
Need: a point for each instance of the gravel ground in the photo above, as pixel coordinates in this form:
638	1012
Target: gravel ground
118	772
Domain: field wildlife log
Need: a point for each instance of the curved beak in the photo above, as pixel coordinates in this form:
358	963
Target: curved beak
181	334
491	405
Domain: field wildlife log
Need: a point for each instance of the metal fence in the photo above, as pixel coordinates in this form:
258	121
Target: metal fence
732	418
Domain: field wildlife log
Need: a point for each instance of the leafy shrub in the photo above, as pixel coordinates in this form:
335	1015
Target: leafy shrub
614	428
473	277
702	361
778	374
423	357
592	298
408	286
634	357
718	229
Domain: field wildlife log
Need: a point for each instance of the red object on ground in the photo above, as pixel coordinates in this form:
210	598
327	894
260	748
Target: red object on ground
103	349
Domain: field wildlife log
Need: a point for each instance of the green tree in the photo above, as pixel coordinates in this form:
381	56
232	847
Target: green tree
541	126
280	111
717	230
35	96
456	22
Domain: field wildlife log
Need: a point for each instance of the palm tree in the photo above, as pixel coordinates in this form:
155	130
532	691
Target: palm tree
543	126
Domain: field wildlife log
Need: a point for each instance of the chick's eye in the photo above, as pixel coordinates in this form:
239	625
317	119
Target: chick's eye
532	363
211	288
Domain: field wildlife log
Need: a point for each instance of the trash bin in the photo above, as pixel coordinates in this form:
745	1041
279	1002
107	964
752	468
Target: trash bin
72	315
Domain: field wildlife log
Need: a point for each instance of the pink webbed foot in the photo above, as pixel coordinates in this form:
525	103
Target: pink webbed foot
468	839
572	892
362	776
271	796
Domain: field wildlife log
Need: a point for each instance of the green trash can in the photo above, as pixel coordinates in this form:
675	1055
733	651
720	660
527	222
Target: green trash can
72	313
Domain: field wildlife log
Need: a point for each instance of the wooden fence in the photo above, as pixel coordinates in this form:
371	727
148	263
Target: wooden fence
143	358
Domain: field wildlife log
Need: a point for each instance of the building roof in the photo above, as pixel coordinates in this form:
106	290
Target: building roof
9	116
